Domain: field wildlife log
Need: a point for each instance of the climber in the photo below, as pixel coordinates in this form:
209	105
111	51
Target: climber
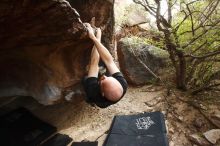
101	89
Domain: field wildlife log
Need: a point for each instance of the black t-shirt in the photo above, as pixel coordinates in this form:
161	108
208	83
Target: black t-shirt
93	90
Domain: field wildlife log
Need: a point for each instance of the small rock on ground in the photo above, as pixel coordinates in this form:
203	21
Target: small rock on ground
212	135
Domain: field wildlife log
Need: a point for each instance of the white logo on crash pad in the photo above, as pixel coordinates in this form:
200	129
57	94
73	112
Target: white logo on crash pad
144	123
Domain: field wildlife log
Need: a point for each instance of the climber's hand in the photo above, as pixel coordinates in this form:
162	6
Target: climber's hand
90	31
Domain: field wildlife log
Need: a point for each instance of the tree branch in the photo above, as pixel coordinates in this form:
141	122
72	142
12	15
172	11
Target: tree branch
195	38
148	9
195	29
210	10
205	88
191	18
184	19
203	21
198	48
169	4
204	56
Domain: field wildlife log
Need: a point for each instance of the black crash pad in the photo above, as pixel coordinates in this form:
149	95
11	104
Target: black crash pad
145	129
21	128
58	140
95	143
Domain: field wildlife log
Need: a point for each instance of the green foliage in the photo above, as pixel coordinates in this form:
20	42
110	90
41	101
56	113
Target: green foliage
203	69
147	41
202	74
195	31
135	41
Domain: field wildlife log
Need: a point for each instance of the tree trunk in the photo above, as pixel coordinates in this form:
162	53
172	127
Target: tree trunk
178	60
181	72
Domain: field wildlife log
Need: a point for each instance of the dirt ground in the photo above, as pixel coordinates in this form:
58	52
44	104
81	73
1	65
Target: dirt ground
82	121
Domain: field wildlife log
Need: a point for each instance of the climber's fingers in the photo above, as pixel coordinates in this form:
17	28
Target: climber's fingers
90	30
98	34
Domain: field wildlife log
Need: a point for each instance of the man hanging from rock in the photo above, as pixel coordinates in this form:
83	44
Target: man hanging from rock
101	89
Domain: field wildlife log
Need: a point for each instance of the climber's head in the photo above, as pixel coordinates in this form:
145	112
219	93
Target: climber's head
111	88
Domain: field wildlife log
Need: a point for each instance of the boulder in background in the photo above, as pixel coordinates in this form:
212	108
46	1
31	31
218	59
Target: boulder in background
129	49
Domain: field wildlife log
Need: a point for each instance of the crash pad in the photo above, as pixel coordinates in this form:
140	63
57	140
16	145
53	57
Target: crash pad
58	140
21	128
144	129
95	143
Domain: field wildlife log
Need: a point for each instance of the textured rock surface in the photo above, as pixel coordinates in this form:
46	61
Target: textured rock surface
44	49
197	139
133	70
103	12
127	13
215	118
212	135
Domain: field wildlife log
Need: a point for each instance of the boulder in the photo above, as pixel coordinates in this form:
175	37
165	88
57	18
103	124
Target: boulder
215	118
129	49
44	46
128	13
212	135
197	139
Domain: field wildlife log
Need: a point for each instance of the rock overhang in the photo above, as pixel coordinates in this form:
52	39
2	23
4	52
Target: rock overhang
44	48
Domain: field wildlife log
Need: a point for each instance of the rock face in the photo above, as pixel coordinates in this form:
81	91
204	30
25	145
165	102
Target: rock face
44	47
103	11
215	118
197	139
212	135
127	13
128	51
